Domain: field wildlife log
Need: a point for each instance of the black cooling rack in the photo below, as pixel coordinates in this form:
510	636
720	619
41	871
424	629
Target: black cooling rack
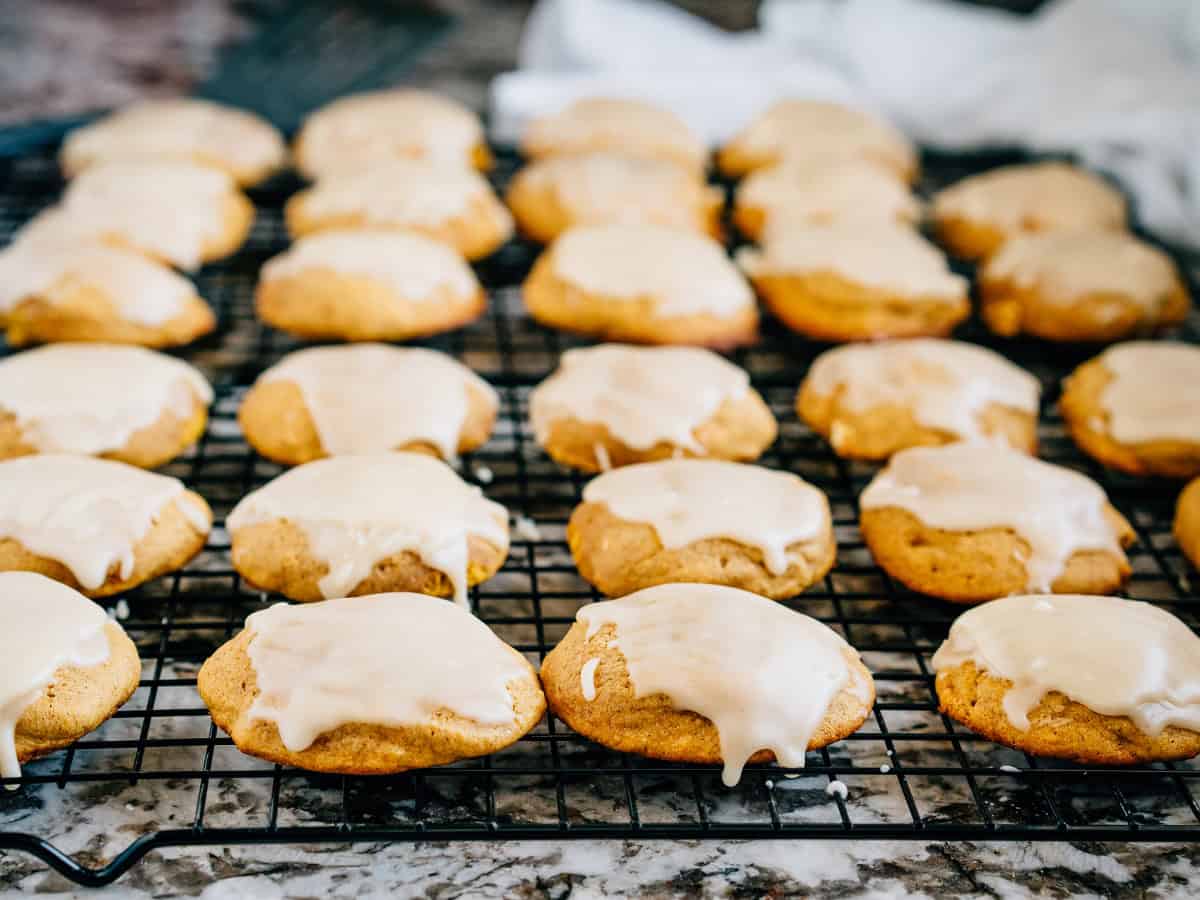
160	774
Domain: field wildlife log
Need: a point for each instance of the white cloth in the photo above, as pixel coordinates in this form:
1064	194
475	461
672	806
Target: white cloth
1116	81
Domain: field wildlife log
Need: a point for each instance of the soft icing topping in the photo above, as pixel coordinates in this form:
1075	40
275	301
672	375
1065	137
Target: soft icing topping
643	395
763	674
385	659
364	129
358	510
946	384
91	398
632	127
415	267
45	625
809	128
1052	195
1154	394
687	500
687	274
1116	657
878	254
1065	265
195	130
86	513
970	487
402	191
846	192
415	395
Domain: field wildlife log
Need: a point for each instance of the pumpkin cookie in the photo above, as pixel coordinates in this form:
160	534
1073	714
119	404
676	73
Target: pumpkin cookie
123	403
98	526
366	398
870	400
368	286
977	215
1136	407
363	130
701	521
551	195
973	522
445	202
642	283
1096	680
370	686
703	673
1187	522
353	525
237	142
613	405
67	668
856	281
813	129
628	127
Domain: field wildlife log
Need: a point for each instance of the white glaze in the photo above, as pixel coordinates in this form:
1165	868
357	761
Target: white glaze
763	674
880	255
385	659
1154	394
414	267
46	625
358	510
946	384
179	128
362	130
643	395
688	500
970	487
367	398
632	127
587	678
686	274
86	513
1116	657
91	398
850	191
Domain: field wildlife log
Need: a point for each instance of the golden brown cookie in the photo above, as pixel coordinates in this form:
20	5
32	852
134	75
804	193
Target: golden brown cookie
368	286
644	284
1135	408
1187	522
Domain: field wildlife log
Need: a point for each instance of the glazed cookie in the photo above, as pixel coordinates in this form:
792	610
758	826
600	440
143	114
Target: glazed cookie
856	281
445	202
551	195
1136	407
175	212
353	525
370	686
86	291
642	283
1080	286
368	286
66	668
362	130
978	214
813	129
703	673
123	403
973	522
1187	522
99	526
870	400
1096	680
804	194
237	142
701	521
366	398
628	127
613	405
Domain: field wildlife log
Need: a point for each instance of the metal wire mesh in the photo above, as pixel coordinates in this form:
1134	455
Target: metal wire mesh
909	772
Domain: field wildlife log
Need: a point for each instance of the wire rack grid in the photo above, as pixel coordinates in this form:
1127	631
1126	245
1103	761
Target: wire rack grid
160	774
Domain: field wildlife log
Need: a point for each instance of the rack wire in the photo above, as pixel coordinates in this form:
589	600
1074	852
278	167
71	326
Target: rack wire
160	774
